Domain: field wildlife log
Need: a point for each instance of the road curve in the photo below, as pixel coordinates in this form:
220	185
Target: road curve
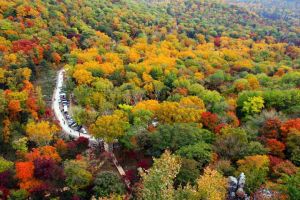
67	130
58	113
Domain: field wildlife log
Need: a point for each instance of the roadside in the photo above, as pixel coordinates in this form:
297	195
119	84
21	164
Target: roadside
47	82
56	107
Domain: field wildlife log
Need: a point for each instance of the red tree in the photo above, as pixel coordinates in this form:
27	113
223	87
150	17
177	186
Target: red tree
285	167
271	129
274	160
219	127
24	170
217	41
276	147
209	120
290	125
47	169
14	106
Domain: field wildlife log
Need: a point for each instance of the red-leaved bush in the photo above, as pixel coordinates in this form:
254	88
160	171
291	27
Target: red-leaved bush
209	120
275	160
48	169
144	163
271	129
219	127
290	125
285	167
276	147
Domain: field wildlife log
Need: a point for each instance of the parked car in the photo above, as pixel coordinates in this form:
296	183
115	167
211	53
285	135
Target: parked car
74	125
65	108
70	122
78	128
82	130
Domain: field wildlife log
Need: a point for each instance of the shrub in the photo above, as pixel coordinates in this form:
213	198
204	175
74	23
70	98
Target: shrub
253	105
5	164
188	172
201	152
107	183
276	147
256	169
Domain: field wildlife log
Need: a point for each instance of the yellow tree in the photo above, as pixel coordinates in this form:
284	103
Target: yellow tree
41	132
6	130
85	56
192	102
110	127
253	105
189	109
2	75
133	56
151	105
26	73
253	82
212	185
83	76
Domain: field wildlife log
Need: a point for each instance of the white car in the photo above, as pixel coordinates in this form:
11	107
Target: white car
83	131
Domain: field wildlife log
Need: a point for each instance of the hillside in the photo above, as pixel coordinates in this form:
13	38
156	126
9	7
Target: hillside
149	99
280	13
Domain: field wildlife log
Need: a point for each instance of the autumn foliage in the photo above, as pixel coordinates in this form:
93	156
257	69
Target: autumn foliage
199	90
209	120
289	126
24	170
276	147
271	129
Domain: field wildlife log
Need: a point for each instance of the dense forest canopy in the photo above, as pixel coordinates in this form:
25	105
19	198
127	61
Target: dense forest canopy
186	93
273	9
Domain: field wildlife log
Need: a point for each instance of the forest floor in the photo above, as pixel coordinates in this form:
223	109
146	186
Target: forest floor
47	83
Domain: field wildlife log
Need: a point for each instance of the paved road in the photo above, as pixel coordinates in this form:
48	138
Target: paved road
63	123
58	113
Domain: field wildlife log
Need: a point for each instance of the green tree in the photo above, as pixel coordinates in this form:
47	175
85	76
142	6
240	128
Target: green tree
188	172
140	119
5	164
20	144
78	177
201	152
3	103
107	183
291	185
291	78
253	105
82	93
18	195
232	143
83	116
177	135
158	182
293	146
186	193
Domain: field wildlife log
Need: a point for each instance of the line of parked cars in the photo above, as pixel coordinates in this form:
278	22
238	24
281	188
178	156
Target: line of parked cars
65	109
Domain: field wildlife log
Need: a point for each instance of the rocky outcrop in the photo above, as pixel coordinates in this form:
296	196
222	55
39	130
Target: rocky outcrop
236	188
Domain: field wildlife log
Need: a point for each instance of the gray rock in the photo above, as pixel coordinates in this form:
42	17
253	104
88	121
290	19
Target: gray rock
236	188
242	180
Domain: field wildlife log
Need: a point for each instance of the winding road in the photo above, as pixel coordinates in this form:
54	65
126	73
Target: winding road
60	116
69	131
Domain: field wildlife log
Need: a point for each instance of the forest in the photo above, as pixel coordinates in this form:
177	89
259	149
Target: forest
160	100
